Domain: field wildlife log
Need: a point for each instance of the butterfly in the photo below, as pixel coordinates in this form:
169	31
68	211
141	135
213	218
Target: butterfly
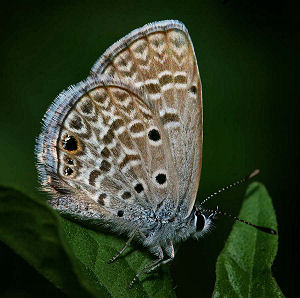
122	150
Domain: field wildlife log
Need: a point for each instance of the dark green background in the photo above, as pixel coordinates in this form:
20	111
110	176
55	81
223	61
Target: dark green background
248	56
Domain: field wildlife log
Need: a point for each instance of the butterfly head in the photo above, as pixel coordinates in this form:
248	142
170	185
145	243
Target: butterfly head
204	218
203	221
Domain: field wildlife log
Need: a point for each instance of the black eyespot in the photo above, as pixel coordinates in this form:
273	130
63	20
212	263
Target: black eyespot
68	171
70	161
70	143
139	188
193	89
120	213
154	135
200	222
161	178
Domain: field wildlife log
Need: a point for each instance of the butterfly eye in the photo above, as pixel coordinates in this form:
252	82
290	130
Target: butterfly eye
200	222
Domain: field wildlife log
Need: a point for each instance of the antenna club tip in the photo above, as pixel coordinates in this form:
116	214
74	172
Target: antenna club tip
254	173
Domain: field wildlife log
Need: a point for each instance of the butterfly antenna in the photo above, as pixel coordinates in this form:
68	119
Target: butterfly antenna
236	183
263	229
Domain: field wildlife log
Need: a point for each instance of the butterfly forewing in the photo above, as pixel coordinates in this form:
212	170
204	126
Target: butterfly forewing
159	59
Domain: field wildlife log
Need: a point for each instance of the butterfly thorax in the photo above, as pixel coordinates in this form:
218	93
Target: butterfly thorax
177	228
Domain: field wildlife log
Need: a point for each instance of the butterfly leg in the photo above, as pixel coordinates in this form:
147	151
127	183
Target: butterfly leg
159	264
131	236
169	250
159	253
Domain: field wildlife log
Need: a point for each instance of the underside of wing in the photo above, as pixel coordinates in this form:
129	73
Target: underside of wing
159	60
100	153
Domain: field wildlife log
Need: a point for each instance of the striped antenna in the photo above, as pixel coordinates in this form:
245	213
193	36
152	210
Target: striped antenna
236	183
263	229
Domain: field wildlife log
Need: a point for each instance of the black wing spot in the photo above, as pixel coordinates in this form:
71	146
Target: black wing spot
139	188
161	178
126	195
154	135
193	89
120	213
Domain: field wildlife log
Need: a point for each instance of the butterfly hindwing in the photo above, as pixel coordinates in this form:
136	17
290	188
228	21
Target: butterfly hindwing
98	160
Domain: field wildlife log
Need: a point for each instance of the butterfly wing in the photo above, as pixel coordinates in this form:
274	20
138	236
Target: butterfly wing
159	59
96	157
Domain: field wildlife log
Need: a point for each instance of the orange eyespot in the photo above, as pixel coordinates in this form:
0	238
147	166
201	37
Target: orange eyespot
68	171
71	144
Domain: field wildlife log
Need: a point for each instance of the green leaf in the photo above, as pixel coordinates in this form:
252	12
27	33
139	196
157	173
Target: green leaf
73	257
244	265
